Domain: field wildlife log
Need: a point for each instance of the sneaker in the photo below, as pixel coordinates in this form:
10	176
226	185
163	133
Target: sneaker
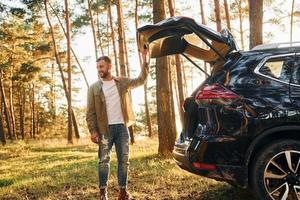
124	195
103	194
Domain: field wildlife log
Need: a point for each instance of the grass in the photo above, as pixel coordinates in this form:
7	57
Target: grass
51	169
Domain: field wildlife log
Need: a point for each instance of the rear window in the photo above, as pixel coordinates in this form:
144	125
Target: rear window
279	68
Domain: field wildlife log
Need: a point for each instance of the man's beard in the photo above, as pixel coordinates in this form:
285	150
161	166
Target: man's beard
103	74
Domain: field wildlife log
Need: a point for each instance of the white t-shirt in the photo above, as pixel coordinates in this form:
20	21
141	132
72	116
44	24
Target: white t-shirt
113	103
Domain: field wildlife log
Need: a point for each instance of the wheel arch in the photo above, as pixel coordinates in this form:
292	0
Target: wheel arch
266	137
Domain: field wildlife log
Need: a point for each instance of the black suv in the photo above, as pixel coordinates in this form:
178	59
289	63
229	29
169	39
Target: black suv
242	124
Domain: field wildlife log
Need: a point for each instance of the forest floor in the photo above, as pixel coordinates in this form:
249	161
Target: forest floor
51	169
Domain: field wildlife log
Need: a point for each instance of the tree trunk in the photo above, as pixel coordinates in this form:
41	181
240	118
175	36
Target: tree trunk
22	101
2	135
121	39
98	30
52	101
6	111
292	16
184	79
70	135
33	112
73	52
123	56
60	67
241	24
218	15
227	15
166	125
202	12
93	27
148	118
113	37
178	72
256	19
203	22
11	103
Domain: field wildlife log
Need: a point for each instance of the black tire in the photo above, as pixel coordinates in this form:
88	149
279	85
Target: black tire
271	176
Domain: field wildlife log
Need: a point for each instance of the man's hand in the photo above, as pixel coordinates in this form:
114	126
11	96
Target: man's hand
145	57
95	138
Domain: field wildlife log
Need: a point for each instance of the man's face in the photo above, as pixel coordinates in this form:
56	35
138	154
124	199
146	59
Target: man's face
103	68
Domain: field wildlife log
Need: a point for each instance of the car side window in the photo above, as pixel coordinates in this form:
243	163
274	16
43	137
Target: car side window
279	68
296	72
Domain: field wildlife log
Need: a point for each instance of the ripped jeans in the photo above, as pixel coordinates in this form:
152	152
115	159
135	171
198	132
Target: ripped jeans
118	135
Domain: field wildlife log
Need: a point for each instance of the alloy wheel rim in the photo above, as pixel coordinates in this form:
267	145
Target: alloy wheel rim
282	176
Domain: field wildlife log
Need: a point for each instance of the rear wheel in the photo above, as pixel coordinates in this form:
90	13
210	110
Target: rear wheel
275	173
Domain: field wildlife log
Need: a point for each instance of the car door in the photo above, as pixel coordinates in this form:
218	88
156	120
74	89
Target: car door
271	90
295	84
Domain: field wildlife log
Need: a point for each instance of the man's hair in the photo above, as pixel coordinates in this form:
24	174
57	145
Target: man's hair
105	58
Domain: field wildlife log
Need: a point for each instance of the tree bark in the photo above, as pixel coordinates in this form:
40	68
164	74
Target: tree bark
166	126
227	15
67	18
22	102
241	24
6	110
11	102
2	135
33	112
148	118
202	12
256	19
93	27
178	72
121	39
203	22
98	30
113	37
292	16
218	15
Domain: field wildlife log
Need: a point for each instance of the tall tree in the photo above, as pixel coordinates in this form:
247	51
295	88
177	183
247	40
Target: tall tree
227	14
72	50
166	127
113	37
203	21
241	23
123	54
121	38
218	15
178	72
147	113
70	135
202	12
256	22
6	110
2	135
90	12
57	59
292	15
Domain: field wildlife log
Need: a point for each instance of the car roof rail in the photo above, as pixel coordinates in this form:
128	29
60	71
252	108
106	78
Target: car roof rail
276	45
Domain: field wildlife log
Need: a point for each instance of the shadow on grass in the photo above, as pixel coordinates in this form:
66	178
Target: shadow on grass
77	148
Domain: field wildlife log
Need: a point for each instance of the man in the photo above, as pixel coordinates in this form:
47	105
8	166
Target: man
109	113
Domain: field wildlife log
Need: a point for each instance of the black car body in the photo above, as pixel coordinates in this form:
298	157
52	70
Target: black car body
242	124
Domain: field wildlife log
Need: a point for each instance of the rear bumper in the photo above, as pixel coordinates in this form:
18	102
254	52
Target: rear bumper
237	175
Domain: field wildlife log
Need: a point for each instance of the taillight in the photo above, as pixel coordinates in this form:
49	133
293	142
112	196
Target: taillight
215	91
204	166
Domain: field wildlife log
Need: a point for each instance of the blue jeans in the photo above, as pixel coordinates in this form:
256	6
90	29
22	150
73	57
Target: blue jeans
118	135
